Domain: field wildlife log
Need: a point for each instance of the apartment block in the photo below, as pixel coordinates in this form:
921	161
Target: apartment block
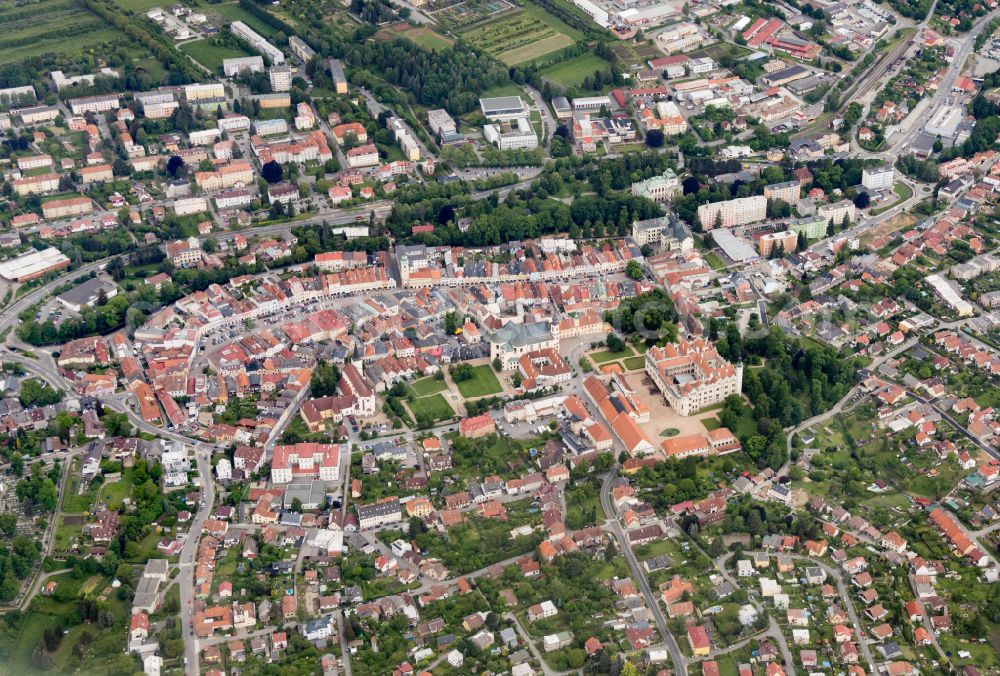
731	213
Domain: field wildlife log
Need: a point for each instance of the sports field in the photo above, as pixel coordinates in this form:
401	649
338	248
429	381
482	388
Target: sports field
422	35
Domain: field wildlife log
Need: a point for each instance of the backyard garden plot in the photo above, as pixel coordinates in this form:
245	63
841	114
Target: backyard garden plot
519	36
629	55
455	15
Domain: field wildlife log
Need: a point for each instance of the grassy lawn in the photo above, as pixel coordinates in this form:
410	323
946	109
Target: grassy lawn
234	12
426	386
503	90
903	191
434	407
483	382
114	493
139	5
635	363
714	261
210	54
711	423
571	72
607	355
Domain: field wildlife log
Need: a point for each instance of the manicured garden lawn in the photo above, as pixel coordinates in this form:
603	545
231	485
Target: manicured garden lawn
426	386
711	423
605	356
571	72
483	382
434	406
635	363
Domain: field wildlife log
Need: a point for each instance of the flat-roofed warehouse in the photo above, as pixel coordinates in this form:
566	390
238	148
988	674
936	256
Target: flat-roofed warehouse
785	75
503	107
87	294
33	265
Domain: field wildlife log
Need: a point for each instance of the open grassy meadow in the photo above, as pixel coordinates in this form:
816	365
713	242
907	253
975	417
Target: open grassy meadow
58	26
571	72
233	12
83	648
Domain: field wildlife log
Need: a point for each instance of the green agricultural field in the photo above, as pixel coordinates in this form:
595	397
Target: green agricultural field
572	72
211	55
483	382
59	26
521	36
435	407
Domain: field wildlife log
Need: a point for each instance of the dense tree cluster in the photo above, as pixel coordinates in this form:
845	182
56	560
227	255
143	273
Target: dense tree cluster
37	393
324	379
797	380
38	490
374	12
16	562
757	518
922	170
649	314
